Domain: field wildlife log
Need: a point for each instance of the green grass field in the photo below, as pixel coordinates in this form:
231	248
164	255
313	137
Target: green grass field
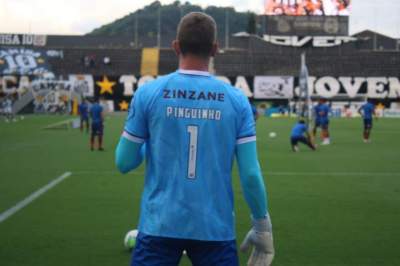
339	205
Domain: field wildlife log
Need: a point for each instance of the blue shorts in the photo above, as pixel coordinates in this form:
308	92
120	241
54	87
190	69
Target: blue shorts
296	139
322	124
164	251
85	119
367	123
97	129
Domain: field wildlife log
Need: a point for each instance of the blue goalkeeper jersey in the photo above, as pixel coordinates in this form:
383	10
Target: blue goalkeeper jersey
191	123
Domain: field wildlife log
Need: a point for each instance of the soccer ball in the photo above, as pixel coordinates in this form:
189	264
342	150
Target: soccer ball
272	134
130	239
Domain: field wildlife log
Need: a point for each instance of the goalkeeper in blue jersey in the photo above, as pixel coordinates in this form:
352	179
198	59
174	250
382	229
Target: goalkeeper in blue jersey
190	126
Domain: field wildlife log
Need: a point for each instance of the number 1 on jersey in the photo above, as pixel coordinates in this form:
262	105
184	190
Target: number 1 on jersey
193	133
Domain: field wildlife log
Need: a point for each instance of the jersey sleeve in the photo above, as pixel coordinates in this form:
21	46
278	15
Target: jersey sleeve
136	128
247	131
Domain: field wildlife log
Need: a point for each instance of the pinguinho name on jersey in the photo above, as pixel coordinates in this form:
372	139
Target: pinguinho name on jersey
193	113
193	95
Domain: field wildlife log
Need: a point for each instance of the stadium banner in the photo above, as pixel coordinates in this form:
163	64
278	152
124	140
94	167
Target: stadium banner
273	87
245	84
23	39
391	113
24	61
48	93
314	41
348	87
82	84
307	25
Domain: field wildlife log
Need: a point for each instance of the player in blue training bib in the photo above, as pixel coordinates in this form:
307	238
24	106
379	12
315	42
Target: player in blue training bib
367	111
321	116
83	109
190	126
300	134
97	117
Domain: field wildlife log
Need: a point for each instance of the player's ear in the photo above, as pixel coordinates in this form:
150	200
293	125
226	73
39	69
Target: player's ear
176	47
214	49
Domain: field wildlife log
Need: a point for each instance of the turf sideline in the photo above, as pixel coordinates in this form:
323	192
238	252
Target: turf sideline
20	205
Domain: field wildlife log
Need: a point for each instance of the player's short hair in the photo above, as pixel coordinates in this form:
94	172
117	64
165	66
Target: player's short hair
302	121
197	33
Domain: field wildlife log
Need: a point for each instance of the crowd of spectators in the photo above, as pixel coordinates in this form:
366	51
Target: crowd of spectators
307	7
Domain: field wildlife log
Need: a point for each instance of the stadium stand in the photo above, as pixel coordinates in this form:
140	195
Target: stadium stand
371	54
366	54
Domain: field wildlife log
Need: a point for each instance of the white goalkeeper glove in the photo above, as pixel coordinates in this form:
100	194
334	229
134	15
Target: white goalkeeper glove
260	236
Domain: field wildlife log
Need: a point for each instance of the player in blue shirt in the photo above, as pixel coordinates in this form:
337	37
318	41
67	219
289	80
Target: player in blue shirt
367	111
83	110
97	117
297	135
190	126
321	115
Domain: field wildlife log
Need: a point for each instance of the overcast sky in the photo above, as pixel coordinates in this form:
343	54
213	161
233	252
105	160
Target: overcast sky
82	16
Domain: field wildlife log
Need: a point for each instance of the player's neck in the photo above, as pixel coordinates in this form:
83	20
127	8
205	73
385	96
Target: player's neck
193	63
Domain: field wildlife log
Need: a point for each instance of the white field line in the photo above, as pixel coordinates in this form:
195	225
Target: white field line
20	205
65	121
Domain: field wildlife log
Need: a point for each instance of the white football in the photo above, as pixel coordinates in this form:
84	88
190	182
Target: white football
130	239
272	134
